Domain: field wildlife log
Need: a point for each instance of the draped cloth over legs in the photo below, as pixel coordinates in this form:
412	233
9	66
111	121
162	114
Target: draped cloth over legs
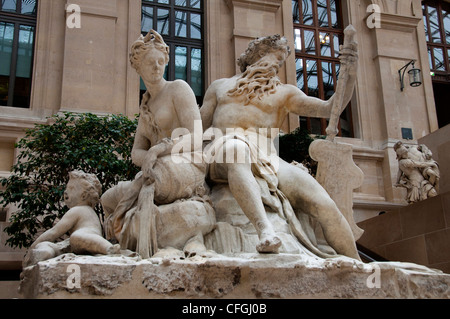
264	169
131	207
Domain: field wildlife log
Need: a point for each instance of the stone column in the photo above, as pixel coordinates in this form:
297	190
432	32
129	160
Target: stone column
399	39
97	74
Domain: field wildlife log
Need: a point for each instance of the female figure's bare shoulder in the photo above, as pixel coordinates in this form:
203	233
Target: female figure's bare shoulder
179	84
179	89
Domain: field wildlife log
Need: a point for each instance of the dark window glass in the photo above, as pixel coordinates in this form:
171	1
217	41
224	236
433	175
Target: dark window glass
322	13
196	26
6	47
430	58
147	19
310	42
196	71
295	12
17	33
328	79
434	25
181	3
336	42
446	25
312	78
307	12
163	22
317	34
334	14
9	5
436	18
300	76
181	63
29	7
425	22
196	4
180	22
325	44
439	63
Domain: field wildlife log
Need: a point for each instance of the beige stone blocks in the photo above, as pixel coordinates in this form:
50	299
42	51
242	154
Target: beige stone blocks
418	233
6	156
10	259
438	142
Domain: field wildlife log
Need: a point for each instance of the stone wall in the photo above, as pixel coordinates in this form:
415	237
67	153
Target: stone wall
418	233
10	259
439	143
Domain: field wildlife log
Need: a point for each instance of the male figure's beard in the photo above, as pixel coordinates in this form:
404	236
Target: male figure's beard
259	79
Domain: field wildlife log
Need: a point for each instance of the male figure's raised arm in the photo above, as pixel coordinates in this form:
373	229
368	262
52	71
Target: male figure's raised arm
299	103
303	105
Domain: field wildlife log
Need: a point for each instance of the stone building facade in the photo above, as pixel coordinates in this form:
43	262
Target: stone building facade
77	55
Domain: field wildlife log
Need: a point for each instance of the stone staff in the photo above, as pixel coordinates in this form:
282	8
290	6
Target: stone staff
338	103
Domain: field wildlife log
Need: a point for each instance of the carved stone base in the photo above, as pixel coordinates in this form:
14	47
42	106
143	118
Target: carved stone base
241	276
339	175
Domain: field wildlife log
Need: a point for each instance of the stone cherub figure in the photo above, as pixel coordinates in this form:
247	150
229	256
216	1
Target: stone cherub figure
81	195
134	210
255	101
418	172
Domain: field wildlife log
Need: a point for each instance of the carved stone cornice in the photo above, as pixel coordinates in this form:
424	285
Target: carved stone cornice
263	5
104	9
399	22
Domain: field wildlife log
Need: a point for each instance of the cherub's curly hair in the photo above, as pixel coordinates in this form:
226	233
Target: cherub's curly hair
260	47
143	44
90	183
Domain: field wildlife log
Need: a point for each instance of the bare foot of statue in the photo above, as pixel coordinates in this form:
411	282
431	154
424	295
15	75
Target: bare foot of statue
169	253
269	244
113	250
195	246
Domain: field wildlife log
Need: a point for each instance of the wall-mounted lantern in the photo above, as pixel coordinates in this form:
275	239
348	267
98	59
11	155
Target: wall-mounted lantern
415	76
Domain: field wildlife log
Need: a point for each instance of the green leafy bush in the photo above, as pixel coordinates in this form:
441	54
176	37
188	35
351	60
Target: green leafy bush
94	144
295	147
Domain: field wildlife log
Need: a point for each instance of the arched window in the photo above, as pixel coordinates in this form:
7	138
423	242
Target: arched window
17	33
318	32
180	22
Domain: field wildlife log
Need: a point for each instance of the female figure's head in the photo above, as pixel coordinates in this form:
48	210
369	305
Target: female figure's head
149	56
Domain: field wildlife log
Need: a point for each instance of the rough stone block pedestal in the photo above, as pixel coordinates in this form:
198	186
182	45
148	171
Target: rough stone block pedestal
245	276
